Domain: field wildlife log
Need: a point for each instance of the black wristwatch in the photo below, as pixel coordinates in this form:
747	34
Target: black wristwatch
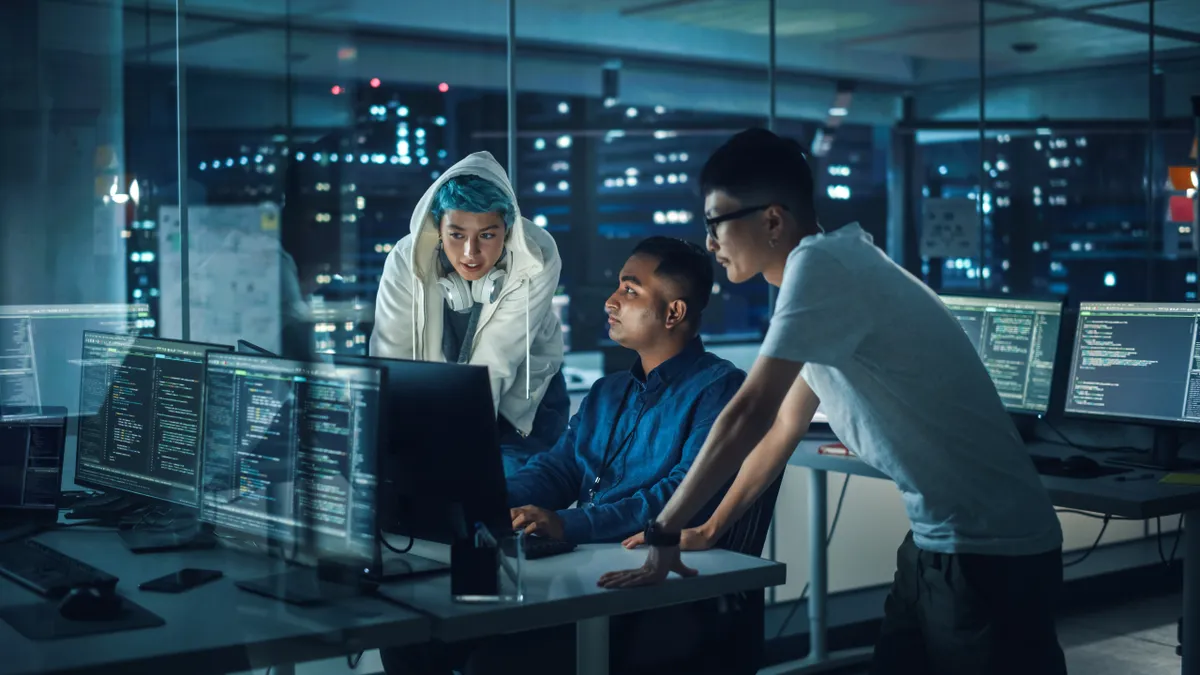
656	536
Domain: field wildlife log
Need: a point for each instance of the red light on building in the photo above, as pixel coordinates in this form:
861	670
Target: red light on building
443	87
375	82
336	90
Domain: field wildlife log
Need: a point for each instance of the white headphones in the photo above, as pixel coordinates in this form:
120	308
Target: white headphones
461	294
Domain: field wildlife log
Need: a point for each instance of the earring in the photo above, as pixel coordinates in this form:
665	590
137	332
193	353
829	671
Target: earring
771	243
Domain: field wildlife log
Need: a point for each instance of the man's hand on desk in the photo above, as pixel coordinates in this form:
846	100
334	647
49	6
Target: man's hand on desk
661	561
691	539
535	520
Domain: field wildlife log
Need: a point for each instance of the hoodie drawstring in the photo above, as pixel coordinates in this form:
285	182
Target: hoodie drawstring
528	369
415	285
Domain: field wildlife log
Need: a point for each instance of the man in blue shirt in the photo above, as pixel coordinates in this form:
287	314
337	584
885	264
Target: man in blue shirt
637	432
626	450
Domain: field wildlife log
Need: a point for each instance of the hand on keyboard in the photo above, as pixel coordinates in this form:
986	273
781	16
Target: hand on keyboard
536	520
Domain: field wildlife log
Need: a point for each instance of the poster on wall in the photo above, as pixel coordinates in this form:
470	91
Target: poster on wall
949	228
234	262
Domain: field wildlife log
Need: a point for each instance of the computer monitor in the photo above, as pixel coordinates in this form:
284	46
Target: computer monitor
31	459
1017	340
39	348
139	433
441	471
290	455
1138	362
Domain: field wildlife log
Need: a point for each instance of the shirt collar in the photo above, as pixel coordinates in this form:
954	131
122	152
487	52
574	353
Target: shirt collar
853	229
672	368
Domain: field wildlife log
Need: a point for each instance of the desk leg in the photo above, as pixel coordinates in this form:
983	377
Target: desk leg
819	660
591	646
818	561
1191	593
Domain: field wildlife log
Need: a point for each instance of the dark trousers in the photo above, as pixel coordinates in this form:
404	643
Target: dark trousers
971	615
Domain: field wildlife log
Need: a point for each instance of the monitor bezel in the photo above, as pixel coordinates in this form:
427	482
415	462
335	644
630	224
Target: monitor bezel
1117	419
138	496
488	480
1055	374
291	551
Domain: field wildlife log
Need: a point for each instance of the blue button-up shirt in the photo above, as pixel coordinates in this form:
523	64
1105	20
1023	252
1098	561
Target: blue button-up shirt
638	435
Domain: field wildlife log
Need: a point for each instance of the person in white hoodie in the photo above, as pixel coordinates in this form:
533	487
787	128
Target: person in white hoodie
472	283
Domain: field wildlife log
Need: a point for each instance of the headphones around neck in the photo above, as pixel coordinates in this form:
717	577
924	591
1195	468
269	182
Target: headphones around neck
460	294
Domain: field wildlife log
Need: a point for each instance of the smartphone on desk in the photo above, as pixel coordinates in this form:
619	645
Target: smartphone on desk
181	581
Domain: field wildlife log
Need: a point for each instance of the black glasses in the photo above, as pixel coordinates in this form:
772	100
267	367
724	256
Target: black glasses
711	224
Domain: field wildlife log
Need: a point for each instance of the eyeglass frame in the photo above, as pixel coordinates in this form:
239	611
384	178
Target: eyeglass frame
710	224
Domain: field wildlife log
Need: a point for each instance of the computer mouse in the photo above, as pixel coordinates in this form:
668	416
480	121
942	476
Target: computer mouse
88	603
1080	464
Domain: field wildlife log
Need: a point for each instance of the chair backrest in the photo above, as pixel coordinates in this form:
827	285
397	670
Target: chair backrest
749	534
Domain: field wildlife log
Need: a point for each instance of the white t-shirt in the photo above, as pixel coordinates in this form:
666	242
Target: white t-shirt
905	390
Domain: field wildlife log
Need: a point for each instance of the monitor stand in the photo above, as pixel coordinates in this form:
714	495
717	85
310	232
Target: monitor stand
1164	456
306	586
1026	426
108	508
154	539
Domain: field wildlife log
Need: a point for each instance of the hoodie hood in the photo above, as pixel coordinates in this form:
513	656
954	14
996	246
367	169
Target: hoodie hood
526	258
521	316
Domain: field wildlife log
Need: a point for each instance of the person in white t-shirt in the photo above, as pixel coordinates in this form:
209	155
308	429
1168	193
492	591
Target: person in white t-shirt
902	386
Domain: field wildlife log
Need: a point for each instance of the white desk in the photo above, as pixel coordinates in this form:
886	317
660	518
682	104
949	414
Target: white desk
563	589
216	628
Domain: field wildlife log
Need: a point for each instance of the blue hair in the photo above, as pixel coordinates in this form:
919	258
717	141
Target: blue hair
473	194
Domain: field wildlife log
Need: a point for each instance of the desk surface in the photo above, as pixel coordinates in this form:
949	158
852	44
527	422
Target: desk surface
1145	498
562	589
218	628
215	628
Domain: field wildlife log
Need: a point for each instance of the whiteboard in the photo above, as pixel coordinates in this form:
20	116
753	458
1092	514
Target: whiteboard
234	259
950	228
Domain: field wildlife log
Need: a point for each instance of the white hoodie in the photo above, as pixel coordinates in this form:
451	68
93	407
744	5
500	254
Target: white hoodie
518	337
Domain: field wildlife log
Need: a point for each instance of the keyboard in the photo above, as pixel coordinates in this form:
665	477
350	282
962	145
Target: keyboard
48	572
538	547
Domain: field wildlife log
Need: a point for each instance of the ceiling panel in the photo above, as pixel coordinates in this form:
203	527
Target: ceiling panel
824	20
1182	14
945	30
1058	41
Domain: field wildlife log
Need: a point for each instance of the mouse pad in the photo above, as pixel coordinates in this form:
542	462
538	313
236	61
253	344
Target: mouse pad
43	622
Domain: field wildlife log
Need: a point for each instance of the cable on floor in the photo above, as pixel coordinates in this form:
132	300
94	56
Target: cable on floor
837	513
1093	547
1168	561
